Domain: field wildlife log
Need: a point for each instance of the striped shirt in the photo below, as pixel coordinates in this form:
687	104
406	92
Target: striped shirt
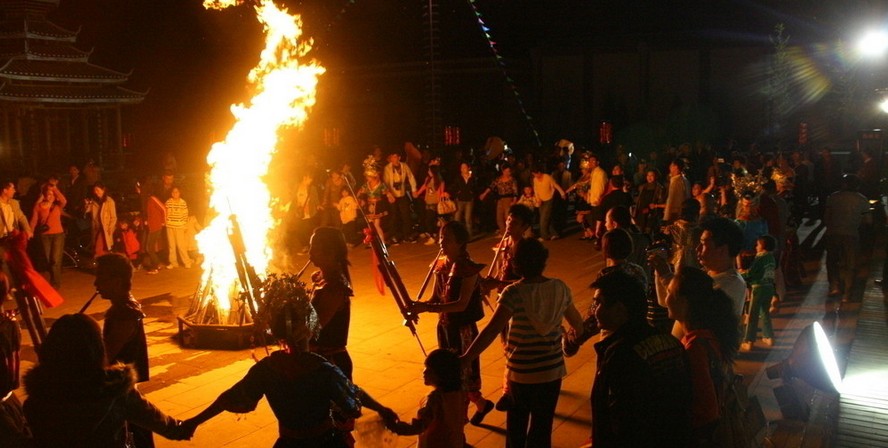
533	351
177	213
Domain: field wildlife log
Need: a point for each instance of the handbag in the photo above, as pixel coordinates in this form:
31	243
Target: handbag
446	206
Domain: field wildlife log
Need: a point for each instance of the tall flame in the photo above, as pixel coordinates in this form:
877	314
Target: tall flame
284	92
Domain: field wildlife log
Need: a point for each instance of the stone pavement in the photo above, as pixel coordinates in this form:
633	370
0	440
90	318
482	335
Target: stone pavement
388	361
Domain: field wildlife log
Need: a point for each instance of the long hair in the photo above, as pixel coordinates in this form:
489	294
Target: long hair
709	309
333	242
445	365
74	348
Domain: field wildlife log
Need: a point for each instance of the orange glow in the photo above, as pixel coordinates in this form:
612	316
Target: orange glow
284	86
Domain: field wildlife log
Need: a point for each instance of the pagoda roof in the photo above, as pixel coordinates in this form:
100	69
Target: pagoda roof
12	7
34	28
45	50
70	94
79	72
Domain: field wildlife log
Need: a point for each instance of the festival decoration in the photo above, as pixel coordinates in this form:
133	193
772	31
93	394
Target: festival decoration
502	66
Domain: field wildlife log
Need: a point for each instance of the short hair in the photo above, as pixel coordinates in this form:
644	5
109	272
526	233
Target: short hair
460	233
116	265
620	215
530	257
850	182
617	244
618	286
446	366
690	209
725	231
709	308
617	181
680	163
522	212
768	241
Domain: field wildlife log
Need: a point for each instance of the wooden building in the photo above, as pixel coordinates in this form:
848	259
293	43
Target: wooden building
55	106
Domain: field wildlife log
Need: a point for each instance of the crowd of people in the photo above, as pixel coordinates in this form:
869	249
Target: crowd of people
693	267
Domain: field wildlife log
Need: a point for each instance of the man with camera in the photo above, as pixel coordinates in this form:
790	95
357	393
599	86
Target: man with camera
720	242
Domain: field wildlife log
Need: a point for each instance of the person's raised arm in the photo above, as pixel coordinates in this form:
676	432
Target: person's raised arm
497	323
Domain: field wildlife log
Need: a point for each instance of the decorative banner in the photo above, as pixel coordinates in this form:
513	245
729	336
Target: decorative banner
502	65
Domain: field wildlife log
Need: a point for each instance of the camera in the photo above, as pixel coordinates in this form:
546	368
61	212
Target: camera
661	246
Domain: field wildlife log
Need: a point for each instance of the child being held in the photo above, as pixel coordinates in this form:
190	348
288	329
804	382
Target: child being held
440	420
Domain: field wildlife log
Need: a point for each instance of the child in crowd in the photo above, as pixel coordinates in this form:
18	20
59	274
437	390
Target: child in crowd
760	277
531	201
440	420
126	241
348	214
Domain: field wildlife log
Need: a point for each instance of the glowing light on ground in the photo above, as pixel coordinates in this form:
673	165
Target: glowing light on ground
284	84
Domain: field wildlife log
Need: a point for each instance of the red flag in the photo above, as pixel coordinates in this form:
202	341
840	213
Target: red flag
32	282
377	276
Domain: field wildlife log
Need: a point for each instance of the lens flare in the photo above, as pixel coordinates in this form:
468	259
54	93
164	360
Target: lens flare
284	86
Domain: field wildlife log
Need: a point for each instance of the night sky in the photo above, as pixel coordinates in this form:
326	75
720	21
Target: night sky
194	61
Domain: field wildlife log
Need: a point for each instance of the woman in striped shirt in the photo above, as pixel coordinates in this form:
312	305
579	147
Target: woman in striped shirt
533	309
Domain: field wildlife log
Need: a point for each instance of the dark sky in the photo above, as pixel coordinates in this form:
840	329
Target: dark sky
194	61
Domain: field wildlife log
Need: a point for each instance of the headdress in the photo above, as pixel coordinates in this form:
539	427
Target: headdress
370	168
284	297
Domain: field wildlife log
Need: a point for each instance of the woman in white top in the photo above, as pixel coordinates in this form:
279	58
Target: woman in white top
532	309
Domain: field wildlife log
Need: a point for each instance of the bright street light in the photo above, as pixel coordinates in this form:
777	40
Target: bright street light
873	44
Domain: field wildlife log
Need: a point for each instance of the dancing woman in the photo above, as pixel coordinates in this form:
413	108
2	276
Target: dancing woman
457	299
301	387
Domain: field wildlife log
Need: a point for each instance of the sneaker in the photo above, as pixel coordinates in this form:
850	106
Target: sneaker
188	266
482	412
553	237
152	271
746	347
768	341
430	242
171	266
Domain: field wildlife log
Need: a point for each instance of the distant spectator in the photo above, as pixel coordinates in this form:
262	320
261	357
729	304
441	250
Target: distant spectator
103	211
46	220
846	210
505	189
651	195
679	190
176	222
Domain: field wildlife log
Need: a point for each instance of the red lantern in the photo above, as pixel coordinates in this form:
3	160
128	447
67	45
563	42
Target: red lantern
803	133
605	133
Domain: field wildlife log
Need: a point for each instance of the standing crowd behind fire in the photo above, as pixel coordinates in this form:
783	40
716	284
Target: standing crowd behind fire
699	250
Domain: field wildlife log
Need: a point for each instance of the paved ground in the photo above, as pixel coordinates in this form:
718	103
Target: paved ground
388	361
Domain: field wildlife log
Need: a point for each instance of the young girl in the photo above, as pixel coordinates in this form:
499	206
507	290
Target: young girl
126	241
760	277
176	222
440	420
529	199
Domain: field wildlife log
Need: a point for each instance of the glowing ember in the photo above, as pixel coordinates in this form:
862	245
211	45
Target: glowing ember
284	89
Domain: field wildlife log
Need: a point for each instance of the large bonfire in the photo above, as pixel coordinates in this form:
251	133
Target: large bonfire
284	85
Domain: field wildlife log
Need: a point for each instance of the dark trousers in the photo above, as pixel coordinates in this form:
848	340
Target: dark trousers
53	250
841	261
151	243
402	220
529	421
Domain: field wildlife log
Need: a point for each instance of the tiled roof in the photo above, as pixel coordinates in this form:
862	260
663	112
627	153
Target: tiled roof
47	50
34	28
69	94
23	69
